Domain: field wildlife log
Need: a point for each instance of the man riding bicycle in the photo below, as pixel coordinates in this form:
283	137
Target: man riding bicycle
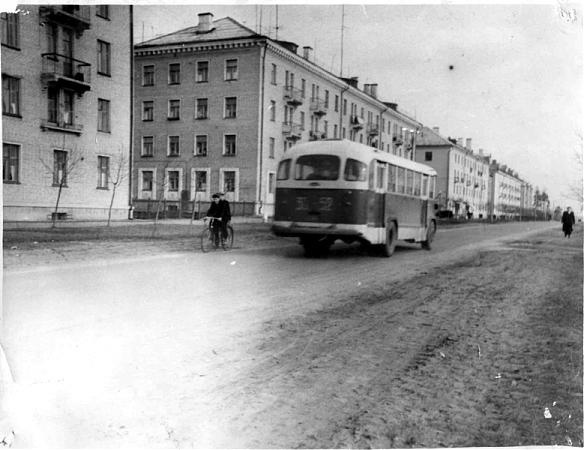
220	211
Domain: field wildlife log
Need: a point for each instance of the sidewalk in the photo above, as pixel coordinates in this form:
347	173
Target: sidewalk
117	223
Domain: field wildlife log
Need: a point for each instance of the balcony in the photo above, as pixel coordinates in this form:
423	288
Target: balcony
357	122
316	135
77	17
62	126
318	107
372	129
66	72
293	96
291	131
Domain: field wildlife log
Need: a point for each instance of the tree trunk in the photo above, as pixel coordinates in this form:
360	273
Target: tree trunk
109	213
57	205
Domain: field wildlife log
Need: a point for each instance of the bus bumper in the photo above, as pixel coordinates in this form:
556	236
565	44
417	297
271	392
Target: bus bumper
299	229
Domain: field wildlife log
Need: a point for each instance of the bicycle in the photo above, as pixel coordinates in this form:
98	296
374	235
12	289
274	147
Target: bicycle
212	239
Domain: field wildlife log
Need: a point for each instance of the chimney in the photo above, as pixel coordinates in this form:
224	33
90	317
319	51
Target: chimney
481	152
468	143
367	89
460	141
307	52
205	22
436	130
374	90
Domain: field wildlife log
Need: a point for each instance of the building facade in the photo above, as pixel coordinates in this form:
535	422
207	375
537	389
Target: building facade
217	105
66	111
462	184
505	192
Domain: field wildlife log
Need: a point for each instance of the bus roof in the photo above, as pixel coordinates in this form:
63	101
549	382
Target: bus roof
346	148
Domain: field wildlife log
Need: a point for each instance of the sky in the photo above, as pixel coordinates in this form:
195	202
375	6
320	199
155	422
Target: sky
508	76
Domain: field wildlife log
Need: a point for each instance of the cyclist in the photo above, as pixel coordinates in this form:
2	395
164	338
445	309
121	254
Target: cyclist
226	214
220	211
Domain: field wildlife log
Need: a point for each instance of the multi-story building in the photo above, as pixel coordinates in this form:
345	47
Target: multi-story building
505	192
463	175
66	110
218	104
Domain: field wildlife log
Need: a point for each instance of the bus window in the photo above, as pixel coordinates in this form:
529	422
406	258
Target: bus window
401	180
424	185
409	182
355	170
317	167
391	178
284	169
417	183
432	187
381	169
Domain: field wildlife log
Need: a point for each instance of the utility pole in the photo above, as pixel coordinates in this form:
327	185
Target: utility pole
277	27
342	35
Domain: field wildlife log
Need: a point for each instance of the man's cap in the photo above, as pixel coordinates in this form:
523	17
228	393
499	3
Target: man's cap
215	196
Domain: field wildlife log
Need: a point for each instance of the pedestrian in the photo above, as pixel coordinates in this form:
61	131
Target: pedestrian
568	221
216	212
225	213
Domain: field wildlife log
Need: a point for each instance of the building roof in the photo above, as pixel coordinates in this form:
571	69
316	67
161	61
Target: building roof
429	137
225	28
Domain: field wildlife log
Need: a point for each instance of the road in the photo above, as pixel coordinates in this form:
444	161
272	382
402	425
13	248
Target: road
164	351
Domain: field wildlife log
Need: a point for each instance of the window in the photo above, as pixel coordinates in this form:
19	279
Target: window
272	149
173	178
148	75
202	71
271	183
103	115
272	110
417	183
302	120
409	182
317	167
147	146
10	168
303	88
102	11
274	74
284	169
173	146
59	168
428	156
147	180
61	107
10	95
391	178
231	70
326	99
147	111
336	103
355	170
103	58
229	181
201	145
173	109
68	106
229	145
174	74
335	131
401	180
230	107
10	32
201	181
344	107
102	172
202	108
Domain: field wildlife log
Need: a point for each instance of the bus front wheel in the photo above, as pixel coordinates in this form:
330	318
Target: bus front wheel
315	247
427	244
388	247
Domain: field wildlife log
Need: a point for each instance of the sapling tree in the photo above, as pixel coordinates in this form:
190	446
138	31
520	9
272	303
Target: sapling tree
120	173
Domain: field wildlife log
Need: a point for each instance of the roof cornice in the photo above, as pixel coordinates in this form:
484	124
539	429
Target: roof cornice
195	47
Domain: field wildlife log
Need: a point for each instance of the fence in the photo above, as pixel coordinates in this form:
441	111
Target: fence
167	209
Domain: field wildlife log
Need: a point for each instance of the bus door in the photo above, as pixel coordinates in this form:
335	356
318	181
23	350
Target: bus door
376	203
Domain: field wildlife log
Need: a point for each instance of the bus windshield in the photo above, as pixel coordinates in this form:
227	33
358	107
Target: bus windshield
317	167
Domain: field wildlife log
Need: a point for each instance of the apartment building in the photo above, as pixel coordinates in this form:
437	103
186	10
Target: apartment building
66	111
217	105
505	200
462	184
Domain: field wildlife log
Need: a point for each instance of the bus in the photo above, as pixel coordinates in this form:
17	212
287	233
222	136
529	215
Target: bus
337	189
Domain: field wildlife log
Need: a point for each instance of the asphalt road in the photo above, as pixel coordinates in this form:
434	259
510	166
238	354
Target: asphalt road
107	354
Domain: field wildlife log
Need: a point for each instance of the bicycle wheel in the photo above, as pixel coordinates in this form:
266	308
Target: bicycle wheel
229	239
207	241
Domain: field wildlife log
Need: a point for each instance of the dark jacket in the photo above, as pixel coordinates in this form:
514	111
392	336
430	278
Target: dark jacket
226	210
568	221
220	210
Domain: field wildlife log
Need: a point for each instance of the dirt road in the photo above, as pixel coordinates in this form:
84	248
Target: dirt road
485	351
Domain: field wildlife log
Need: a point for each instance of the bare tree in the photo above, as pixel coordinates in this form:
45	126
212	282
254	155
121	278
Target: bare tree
120	174
64	166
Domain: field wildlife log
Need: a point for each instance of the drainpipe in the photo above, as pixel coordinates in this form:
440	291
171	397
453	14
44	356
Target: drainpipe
130	154
341	112
261	130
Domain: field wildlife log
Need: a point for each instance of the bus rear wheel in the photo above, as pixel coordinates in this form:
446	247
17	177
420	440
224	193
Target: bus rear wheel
315	247
427	244
388	247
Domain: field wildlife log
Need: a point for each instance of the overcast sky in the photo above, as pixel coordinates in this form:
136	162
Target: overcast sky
507	76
